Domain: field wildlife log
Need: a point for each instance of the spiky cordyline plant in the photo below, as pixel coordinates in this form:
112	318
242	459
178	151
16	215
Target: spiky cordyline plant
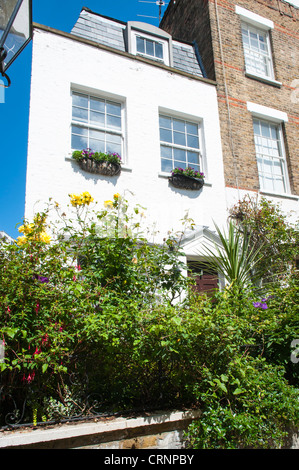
235	259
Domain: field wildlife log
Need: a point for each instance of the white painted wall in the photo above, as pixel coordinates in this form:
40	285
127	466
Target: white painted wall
60	64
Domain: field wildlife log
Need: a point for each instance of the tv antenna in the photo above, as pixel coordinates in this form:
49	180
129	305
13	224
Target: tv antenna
159	3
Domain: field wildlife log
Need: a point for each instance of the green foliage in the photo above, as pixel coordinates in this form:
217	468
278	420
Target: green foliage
245	398
79	297
269	228
95	311
237	258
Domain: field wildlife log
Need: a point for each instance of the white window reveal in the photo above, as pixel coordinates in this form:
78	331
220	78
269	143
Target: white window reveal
270	156
96	124
257	51
149	41
179	144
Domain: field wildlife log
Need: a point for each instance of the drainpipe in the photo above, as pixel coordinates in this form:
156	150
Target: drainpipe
231	140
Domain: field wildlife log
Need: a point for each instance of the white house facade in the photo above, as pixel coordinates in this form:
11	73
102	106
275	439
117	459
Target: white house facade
131	89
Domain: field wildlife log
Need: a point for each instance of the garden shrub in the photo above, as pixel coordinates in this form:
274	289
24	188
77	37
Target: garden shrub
92	320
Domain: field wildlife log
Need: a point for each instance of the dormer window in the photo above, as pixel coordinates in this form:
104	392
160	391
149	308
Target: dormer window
148	47
149	41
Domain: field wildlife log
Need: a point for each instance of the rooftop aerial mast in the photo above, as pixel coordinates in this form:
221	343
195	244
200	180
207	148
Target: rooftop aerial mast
159	3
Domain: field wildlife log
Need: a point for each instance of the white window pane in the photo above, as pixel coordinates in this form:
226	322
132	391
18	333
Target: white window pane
113	138
80	100
97	105
166	151
179	155
194	167
79	142
179	164
140	45
159	51
166	165
193	157
79	130
279	186
265	129
149	47
113	148
97	118
113	122
192	141
277	168
178	125
165	122
97	145
192	128
80	114
113	108
179	138
165	135
97	134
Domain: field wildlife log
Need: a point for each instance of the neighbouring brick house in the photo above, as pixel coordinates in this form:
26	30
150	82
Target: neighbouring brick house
251	49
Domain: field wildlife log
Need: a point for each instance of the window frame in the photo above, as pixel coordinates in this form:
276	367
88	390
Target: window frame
90	126
173	145
156	40
136	29
264	156
249	53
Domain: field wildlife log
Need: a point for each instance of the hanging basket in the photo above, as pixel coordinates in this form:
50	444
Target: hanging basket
101	168
186	182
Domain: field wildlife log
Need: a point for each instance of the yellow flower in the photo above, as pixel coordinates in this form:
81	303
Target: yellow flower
86	198
21	240
116	196
108	204
44	237
81	199
26	228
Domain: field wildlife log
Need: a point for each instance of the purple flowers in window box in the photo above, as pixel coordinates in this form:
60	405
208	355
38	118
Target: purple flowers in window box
186	178
108	164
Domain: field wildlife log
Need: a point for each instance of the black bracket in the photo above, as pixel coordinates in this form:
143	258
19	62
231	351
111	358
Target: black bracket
3	55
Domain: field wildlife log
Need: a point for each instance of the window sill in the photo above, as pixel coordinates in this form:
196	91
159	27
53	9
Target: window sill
162	174
266	80
281	195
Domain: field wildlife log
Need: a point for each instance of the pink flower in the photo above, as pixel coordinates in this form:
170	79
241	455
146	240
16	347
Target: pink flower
45	338
37	308
37	351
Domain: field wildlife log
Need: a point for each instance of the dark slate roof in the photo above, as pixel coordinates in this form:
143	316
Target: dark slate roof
110	32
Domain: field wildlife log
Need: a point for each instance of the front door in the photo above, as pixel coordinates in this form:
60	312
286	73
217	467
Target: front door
206	279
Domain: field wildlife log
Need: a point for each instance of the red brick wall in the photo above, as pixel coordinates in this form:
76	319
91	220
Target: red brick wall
197	20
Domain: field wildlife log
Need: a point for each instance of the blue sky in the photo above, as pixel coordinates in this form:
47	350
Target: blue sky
14	112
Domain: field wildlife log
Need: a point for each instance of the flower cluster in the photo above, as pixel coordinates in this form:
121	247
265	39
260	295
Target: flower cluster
110	204
81	199
188	172
263	303
30	232
111	157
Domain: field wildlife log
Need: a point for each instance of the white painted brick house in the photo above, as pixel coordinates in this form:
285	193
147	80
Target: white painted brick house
132	89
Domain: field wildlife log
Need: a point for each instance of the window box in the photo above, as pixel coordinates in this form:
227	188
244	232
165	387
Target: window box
186	179
98	163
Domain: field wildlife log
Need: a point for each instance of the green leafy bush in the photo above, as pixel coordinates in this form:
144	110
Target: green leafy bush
92	319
